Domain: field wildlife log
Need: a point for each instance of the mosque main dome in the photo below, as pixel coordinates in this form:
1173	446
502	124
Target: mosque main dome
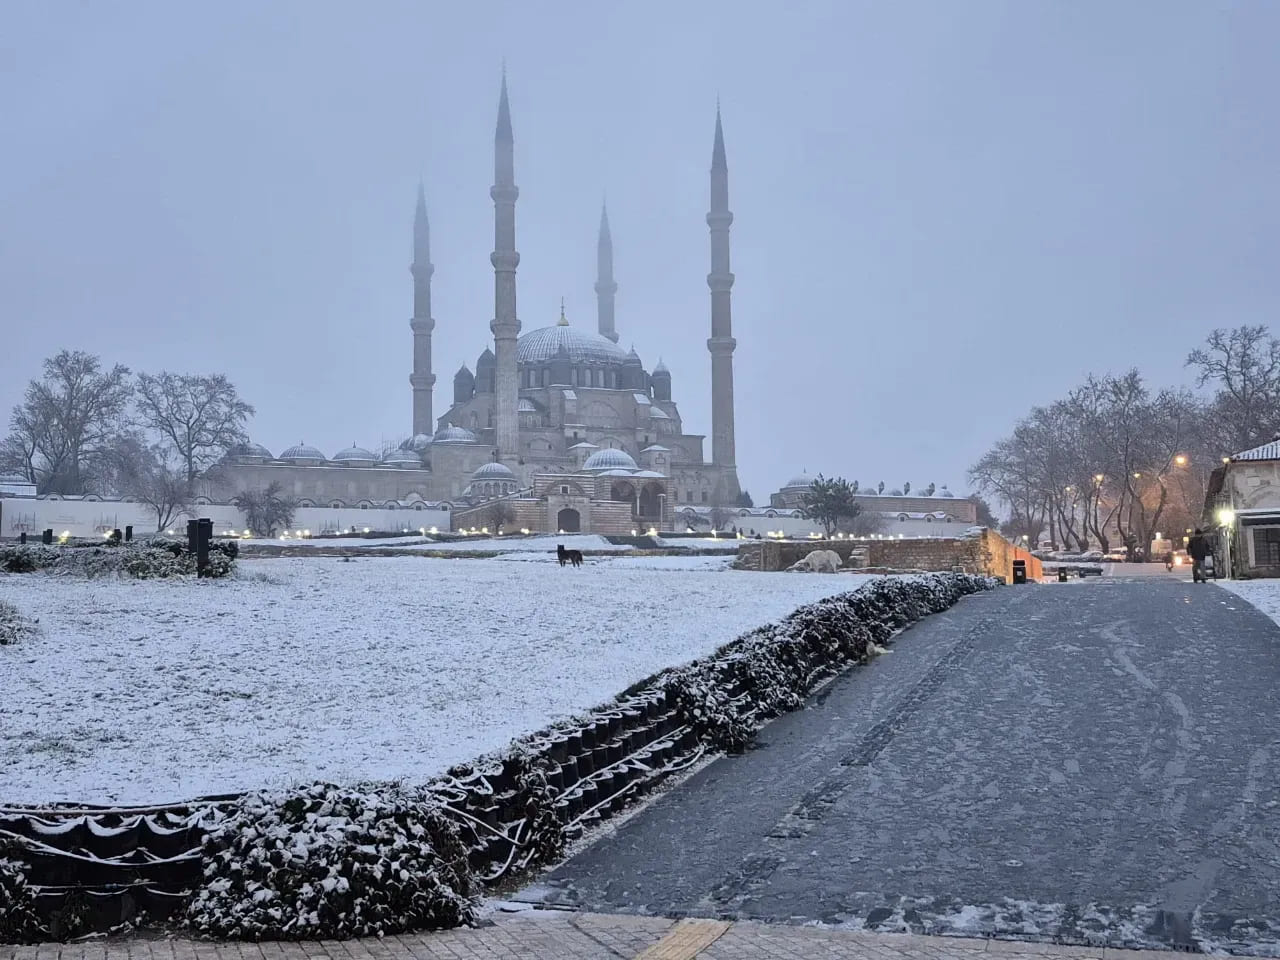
540	345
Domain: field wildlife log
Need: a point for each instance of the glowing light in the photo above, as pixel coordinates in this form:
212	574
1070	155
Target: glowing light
1225	516
1226	459
306	533
1097	478
484	530
433	530
525	531
653	532
366	529
422	531
107	534
1180	460
633	533
170	532
1137	476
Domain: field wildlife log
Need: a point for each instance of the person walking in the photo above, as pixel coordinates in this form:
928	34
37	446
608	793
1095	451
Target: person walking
1198	549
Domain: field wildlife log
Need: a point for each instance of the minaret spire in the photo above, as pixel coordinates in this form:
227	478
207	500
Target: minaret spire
422	380
505	259
605	286
721	342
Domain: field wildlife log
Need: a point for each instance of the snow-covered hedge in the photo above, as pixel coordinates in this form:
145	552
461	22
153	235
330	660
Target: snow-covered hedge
19	922
153	559
326	862
12	624
727	696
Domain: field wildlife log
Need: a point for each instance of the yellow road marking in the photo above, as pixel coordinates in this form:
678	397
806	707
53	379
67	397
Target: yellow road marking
686	940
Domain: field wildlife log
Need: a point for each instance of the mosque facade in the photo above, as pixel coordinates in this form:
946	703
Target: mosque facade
559	424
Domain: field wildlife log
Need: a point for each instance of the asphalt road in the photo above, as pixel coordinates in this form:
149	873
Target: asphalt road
1096	761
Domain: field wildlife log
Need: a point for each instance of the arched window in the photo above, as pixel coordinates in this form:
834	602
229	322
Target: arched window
336	505
902	518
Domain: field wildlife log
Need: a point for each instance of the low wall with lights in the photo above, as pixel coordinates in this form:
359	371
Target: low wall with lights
90	518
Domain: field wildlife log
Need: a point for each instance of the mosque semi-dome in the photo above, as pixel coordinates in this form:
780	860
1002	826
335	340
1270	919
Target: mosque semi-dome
452	434
539	346
610	459
418	442
303	451
800	480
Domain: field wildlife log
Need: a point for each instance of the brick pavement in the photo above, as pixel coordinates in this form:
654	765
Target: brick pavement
559	935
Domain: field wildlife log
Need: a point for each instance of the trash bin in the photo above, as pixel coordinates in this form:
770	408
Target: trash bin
1062	574
1019	571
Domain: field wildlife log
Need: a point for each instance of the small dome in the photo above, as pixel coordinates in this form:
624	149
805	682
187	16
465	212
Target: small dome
255	451
354	454
417	443
526	406
656	448
493	470
800	480
610	459
303	452
403	458
944	492
648	473
453	434
895	492
661	369
657	413
617	472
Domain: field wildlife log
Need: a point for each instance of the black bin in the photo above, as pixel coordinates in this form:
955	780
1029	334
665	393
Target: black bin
1062	574
1019	571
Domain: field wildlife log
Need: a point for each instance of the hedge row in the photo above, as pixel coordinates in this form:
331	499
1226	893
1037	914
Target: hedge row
156	558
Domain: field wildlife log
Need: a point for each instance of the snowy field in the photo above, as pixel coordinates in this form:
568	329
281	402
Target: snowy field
314	667
1263	594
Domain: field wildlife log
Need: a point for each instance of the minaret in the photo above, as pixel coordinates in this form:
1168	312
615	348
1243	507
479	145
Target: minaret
605	287
720	280
422	379
504	258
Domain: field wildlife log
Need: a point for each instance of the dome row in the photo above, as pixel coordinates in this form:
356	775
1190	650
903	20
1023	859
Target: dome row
802	480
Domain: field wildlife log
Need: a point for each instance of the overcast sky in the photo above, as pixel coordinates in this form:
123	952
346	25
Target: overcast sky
944	212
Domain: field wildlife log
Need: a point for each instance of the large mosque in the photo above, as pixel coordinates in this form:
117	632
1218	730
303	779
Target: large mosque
559	423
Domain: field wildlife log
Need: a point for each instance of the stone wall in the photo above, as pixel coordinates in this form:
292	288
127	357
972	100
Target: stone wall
984	552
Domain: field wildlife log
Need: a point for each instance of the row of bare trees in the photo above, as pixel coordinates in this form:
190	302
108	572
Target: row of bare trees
1115	462
85	428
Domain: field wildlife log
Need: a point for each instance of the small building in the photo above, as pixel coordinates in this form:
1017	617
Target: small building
1243	504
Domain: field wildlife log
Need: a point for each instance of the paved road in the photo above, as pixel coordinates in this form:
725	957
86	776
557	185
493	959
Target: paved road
1096	761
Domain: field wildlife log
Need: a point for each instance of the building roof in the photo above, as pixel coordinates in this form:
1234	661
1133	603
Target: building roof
354	454
452	434
303	452
418	442
799	480
493	471
540	345
248	450
585	445
610	459
403	458
1267	451
657	413
656	448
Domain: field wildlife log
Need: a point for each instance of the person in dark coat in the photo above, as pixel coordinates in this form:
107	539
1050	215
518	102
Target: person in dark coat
1198	549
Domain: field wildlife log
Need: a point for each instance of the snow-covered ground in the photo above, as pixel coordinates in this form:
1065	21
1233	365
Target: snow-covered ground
588	541
380	667
1263	594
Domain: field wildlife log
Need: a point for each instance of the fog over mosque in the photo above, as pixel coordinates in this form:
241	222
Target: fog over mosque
570	428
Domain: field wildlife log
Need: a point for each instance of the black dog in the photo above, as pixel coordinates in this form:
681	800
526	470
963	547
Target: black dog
568	556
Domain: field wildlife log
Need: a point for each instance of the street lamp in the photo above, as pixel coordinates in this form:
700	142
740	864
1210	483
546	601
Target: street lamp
1180	460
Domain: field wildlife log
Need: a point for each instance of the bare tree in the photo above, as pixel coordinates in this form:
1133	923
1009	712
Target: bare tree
1243	365
497	515
151	476
68	420
200	416
267	510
